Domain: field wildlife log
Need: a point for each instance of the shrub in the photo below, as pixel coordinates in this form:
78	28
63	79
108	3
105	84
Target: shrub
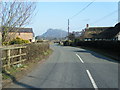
36	50
5	43
67	43
18	41
40	41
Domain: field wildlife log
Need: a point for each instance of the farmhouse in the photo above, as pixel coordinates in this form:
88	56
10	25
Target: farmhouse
101	33
110	33
90	33
24	33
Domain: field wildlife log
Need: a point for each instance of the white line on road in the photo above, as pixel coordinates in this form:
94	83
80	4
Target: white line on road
80	58
92	80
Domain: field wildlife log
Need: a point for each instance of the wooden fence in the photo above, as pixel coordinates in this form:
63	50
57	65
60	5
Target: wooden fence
9	56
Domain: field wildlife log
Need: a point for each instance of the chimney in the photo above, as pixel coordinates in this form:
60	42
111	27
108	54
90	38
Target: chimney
87	26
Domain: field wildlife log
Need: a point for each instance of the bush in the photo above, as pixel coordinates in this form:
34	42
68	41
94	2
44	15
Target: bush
76	41
40	41
18	41
36	50
68	43
5	43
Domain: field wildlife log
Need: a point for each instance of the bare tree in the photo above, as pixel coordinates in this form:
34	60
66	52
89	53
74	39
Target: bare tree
15	14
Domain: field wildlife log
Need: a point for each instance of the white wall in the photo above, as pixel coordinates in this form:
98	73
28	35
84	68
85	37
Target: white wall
33	39
119	36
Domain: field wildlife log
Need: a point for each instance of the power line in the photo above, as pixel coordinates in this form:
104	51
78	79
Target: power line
96	20
78	14
103	18
81	10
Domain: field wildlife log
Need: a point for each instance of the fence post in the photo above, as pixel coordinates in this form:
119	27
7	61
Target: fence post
8	57
20	51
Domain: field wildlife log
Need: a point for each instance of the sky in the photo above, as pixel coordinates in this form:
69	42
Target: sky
56	14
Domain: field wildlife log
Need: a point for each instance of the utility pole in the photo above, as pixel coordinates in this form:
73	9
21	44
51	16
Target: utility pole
68	29
118	11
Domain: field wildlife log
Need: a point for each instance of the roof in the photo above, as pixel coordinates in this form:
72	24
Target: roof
97	28
91	32
23	30
110	32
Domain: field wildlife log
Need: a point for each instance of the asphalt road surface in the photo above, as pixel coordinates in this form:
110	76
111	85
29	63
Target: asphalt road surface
70	67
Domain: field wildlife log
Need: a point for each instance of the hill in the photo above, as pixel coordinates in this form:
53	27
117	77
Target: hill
54	34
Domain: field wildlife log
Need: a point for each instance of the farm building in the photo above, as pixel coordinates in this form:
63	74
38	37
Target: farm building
101	33
90	33
24	33
110	33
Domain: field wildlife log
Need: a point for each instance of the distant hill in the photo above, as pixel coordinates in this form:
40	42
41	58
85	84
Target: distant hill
54	33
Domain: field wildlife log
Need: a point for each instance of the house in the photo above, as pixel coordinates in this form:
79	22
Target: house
24	33
90	33
112	33
77	34
101	33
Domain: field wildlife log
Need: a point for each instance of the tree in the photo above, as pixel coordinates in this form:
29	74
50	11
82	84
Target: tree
72	36
15	14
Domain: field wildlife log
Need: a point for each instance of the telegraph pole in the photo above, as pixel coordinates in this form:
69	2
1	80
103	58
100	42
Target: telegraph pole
68	29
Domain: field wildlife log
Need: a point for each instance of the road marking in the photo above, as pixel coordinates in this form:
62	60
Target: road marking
80	58
92	80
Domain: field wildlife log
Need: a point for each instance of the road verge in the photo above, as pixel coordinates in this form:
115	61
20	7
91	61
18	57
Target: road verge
18	71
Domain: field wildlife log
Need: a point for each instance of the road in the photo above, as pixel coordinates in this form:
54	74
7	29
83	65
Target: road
70	67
